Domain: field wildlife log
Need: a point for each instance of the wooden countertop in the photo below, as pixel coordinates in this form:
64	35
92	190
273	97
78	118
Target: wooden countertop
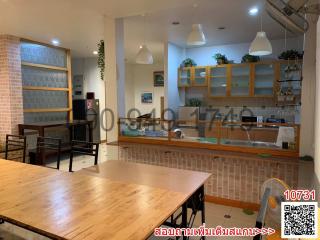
217	153
63	205
55	123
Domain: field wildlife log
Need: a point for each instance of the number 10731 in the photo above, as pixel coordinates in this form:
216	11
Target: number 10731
300	195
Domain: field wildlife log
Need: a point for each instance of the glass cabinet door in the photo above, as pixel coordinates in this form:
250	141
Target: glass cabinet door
240	80
218	81
184	77
264	76
290	78
200	76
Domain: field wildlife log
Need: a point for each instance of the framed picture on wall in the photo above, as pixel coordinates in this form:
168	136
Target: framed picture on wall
158	79
146	97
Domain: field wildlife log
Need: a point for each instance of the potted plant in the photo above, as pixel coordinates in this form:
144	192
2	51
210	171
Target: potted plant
291	55
250	58
221	59
194	102
188	63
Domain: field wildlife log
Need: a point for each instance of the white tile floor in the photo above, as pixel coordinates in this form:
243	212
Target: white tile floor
216	215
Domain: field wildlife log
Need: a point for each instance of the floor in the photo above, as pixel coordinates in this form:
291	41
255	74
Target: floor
216	215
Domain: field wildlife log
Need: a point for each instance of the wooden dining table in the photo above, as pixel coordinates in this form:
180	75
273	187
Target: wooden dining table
114	200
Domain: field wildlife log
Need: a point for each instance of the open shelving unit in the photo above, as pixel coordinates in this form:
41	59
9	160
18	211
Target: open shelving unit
47	80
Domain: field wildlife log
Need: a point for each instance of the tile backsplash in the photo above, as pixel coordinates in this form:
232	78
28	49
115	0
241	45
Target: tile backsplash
266	107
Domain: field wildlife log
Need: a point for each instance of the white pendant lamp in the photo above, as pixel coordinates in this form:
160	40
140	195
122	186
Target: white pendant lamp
196	37
261	45
144	55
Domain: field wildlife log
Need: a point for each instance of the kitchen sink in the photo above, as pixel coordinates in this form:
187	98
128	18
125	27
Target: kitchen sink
250	144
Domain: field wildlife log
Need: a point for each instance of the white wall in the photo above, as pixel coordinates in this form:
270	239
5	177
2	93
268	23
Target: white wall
139	78
203	55
308	91
92	83
317	112
174	55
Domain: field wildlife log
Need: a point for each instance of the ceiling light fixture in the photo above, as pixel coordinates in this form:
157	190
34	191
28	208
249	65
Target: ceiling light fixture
55	42
95	52
261	45
196	37
144	55
253	11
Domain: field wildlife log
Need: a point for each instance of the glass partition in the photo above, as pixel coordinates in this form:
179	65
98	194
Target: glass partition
221	135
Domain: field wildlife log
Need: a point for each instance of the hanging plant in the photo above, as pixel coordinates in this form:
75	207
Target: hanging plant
101	62
291	55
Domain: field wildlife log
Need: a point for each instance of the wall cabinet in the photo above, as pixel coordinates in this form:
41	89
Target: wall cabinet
200	77
185	76
193	76
218	81
261	79
264	79
242	80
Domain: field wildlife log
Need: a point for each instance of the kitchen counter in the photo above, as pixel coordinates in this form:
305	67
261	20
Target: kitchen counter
236	177
217	136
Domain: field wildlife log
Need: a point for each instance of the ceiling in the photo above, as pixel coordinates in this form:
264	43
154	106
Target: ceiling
78	24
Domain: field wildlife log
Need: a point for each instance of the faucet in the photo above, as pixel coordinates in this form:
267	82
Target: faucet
248	135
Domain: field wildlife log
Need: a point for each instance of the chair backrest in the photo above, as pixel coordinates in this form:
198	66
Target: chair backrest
84	148
50	145
15	144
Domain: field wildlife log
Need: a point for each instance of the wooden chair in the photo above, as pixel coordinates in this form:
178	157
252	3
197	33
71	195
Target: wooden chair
85	148
16	143
48	146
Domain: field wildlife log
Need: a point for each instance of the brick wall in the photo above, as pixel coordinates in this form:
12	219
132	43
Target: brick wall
234	176
11	101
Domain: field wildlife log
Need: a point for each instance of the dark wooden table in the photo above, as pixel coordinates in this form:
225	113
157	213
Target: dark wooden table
41	126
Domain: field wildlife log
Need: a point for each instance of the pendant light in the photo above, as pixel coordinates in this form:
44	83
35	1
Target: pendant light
196	37
261	45
144	55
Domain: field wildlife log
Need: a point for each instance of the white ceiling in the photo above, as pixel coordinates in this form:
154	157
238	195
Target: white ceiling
79	23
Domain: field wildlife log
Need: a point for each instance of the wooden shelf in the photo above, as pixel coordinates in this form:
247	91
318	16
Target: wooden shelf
264	74
218	76
32	88
245	75
44	66
263	87
41	110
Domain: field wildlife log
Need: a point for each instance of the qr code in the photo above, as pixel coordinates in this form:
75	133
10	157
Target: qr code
299	219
